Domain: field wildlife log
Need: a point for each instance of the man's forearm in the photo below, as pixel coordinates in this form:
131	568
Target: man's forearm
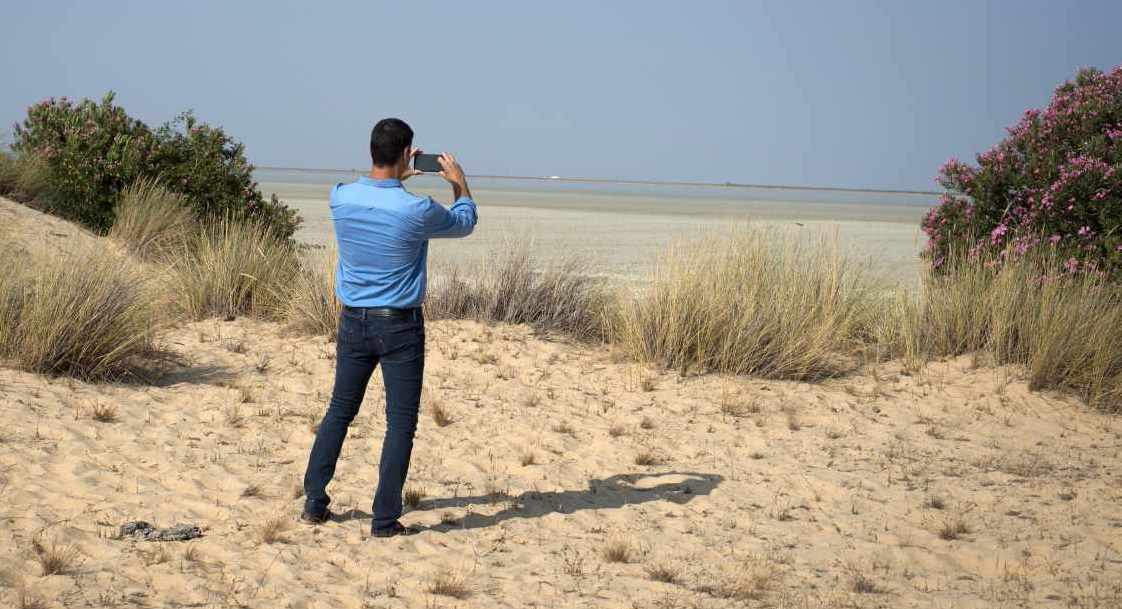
460	189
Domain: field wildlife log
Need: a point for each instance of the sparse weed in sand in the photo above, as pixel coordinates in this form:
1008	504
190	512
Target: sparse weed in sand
263	364
272	530
253	490
440	414
412	497
528	458
646	423
54	557
26	598
449	583
618	549
664	571
647	457
103	412
565	428
746	579
617	430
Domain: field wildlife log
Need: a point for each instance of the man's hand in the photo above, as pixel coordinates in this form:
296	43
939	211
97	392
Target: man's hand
409	171
451	171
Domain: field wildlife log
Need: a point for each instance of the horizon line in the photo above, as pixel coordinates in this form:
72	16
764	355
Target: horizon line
642	182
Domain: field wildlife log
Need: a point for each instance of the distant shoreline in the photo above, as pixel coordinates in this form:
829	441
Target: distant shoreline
644	182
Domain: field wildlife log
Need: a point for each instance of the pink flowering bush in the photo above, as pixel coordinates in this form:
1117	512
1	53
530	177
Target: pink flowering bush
92	150
1054	183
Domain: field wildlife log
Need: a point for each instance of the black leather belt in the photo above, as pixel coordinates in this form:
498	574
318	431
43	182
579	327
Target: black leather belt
413	314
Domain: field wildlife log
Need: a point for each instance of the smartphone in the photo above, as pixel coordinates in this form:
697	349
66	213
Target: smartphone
428	163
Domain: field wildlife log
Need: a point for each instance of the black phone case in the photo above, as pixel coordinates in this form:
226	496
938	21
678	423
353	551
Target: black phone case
427	163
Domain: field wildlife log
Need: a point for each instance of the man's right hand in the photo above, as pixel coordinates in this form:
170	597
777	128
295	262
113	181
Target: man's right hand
451	171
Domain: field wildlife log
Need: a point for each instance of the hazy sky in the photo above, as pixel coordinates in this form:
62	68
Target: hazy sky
845	93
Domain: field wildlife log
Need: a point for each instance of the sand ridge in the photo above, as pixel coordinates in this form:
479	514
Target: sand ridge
953	487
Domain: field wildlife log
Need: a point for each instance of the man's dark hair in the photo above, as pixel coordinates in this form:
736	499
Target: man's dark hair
388	141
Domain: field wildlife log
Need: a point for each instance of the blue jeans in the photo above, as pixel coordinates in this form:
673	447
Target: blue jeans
363	343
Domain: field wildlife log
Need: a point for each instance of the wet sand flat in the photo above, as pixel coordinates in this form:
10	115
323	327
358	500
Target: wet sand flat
623	233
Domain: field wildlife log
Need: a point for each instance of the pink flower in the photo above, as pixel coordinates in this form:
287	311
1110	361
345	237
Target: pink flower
1054	239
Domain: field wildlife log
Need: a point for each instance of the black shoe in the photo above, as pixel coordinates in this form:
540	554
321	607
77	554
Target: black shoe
316	517
394	530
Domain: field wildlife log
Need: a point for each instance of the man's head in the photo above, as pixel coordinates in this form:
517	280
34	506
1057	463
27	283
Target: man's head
390	143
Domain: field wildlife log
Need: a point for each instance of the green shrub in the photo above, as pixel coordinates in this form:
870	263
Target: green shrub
93	150
210	169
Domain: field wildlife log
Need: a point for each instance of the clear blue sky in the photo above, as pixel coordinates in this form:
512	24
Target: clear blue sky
846	93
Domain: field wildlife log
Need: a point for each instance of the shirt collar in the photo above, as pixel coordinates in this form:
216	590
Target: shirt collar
387	183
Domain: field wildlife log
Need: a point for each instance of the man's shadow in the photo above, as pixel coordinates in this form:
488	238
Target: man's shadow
608	493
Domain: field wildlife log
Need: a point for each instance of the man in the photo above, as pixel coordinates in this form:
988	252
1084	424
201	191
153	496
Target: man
383	232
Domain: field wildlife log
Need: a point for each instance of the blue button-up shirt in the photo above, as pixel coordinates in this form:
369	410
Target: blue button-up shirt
383	233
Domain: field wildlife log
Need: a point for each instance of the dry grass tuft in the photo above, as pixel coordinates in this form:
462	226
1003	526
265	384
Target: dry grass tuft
23	177
663	571
103	413
232	268
313	307
449	583
618	550
272	530
151	221
744	302
1065	331
55	558
440	414
27	599
563	297
647	457
413	496
89	312
749	579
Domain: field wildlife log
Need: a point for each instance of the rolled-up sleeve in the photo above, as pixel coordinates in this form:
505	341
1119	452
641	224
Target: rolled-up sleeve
456	221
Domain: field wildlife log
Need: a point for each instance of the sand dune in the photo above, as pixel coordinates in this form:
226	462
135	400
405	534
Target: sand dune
954	488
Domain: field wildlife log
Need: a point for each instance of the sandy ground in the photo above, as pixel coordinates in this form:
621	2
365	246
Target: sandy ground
561	476
954	488
623	234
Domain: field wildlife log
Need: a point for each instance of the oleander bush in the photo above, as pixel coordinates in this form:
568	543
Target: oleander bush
1055	180
93	150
